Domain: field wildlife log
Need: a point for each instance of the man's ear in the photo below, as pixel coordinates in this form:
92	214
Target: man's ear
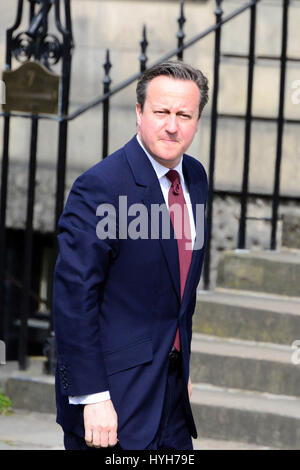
139	113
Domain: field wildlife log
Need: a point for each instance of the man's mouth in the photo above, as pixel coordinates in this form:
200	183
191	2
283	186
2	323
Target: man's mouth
172	141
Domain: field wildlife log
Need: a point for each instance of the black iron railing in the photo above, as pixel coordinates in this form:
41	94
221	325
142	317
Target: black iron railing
54	50
37	44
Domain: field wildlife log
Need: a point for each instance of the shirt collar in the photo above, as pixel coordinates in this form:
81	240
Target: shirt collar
159	169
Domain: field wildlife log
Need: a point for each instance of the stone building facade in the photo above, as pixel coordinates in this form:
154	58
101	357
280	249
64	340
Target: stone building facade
116	25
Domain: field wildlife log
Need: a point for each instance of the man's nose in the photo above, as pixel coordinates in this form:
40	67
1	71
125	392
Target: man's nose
171	125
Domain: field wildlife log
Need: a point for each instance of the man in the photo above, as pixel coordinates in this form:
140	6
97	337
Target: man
123	303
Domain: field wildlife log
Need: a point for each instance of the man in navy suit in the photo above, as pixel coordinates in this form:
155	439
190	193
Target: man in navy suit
125	280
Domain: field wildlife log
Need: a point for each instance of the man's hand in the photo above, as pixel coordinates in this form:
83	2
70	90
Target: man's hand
100	424
190	388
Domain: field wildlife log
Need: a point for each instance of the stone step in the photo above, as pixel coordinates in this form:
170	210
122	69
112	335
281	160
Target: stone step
247	315
246	416
246	365
261	271
32	393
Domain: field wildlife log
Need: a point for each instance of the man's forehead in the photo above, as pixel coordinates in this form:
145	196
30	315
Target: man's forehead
162	90
171	82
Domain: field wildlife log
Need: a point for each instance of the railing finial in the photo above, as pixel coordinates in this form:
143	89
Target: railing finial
144	44
219	11
106	89
107	66
180	35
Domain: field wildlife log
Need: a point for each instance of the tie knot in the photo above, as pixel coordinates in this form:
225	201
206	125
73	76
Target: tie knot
174	177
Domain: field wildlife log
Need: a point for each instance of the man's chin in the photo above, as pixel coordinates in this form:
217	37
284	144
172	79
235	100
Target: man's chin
169	161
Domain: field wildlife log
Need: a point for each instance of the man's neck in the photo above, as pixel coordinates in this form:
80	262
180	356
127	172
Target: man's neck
157	164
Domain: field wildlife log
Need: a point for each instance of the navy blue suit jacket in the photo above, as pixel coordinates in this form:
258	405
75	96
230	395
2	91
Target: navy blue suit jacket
117	301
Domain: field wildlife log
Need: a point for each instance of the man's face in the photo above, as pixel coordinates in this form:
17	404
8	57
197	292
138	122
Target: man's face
169	120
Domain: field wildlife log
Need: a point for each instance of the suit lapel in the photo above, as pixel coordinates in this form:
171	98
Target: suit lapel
153	195
145	175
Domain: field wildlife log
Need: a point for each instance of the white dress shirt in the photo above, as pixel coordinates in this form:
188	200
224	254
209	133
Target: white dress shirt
165	185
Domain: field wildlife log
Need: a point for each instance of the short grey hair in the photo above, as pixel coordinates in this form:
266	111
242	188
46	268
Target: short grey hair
175	69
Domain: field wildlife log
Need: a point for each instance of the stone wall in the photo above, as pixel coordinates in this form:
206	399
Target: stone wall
226	226
117	25
226	213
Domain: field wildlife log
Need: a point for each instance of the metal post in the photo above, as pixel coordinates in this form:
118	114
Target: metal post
144	44
4	181
106	88
27	260
280	124
213	137
63	106
4	178
180	35
67	46
244	195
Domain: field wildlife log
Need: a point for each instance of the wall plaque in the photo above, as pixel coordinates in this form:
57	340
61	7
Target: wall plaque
31	88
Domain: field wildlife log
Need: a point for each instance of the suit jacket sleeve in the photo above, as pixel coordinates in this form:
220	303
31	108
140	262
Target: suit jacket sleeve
79	278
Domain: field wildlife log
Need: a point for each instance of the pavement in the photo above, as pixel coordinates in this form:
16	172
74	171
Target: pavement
29	430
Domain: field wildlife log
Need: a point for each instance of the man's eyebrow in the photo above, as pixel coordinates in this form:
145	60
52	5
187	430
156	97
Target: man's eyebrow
184	111
158	107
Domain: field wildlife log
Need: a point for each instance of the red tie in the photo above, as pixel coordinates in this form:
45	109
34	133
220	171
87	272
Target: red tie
182	229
